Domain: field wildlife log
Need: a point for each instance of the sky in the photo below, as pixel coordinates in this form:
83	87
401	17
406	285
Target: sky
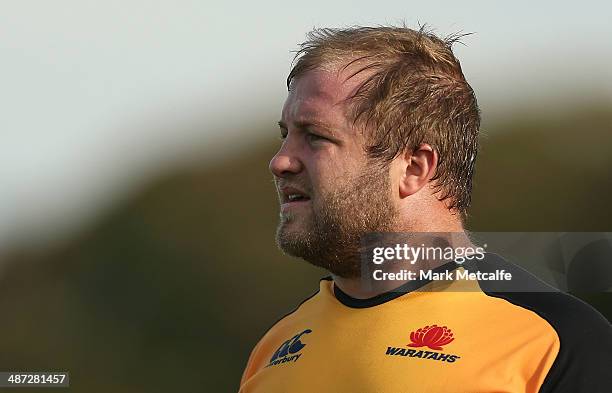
98	96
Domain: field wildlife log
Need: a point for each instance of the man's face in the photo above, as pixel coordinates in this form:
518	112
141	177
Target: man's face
330	192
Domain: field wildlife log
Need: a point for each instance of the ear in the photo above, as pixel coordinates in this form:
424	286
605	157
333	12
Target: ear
418	167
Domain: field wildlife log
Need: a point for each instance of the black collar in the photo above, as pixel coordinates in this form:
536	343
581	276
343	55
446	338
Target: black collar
403	289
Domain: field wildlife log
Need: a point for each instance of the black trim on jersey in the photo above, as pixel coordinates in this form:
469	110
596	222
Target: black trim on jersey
283	317
584	361
292	311
296	307
403	289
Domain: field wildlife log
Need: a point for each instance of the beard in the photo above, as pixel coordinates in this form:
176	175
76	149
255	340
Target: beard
330	236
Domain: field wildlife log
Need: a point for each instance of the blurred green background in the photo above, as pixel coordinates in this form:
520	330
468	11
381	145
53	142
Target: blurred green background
170	290
137	213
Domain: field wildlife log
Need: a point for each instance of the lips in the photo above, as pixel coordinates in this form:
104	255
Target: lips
291	195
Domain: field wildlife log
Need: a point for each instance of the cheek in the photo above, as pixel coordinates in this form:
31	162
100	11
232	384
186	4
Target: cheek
328	169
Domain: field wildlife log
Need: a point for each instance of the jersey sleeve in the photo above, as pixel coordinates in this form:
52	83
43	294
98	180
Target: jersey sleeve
584	362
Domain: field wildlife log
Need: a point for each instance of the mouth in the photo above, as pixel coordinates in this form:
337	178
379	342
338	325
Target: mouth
292	197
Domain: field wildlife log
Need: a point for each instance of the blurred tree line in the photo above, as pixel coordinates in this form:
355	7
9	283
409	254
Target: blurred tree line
171	290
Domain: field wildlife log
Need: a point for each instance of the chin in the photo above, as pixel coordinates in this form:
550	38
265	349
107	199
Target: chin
291	233
292	240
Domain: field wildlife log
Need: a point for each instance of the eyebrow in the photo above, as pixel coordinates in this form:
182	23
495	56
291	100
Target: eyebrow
308	123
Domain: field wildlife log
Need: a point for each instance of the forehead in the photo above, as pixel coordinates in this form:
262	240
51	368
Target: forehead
319	95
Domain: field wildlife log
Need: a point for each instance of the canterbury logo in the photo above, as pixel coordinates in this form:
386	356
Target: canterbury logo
288	351
432	337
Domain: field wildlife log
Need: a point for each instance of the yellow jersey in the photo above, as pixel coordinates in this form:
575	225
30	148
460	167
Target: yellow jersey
437	336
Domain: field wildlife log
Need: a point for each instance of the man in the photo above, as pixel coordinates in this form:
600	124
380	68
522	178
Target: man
380	135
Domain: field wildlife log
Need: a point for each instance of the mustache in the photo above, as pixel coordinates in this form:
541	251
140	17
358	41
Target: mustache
300	185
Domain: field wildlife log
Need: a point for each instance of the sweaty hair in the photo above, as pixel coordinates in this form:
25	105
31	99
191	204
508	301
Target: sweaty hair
413	92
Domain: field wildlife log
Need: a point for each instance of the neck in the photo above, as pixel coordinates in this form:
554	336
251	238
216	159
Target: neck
443	236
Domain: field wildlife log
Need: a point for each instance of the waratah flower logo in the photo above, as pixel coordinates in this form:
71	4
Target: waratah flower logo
433	337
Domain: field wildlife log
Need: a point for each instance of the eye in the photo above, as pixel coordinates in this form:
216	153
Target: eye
315	138
283	134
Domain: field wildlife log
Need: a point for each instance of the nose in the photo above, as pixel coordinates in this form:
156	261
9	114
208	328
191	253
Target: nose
285	162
